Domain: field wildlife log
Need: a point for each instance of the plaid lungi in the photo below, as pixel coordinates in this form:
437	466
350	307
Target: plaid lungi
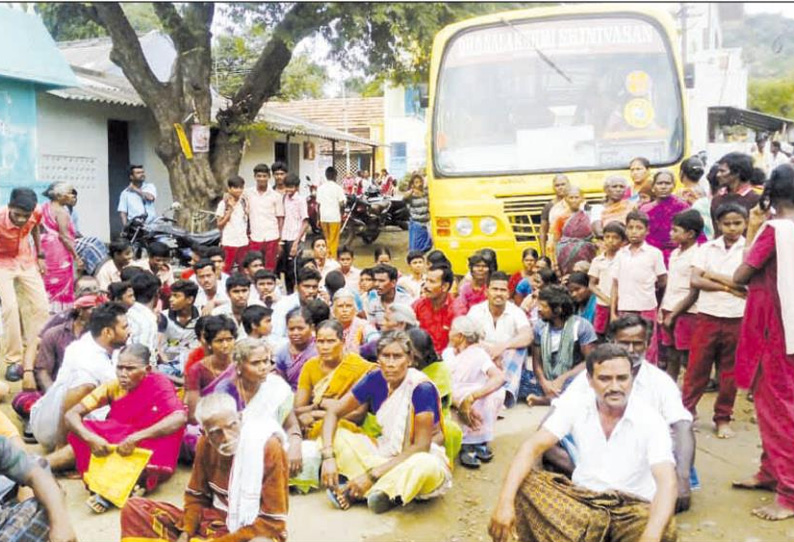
549	508
24	522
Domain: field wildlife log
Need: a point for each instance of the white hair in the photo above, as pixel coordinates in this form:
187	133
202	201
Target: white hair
61	189
469	328
214	404
344	293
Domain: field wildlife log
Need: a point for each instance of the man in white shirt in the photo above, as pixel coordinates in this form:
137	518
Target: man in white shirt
507	332
308	288
210	294
266	216
331	198
238	288
87	363
141	316
655	388
625	486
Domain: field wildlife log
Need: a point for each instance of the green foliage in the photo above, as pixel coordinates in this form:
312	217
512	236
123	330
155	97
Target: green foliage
767	42
772	96
68	21
366	87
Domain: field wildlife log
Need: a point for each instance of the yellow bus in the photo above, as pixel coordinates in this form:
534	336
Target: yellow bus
517	97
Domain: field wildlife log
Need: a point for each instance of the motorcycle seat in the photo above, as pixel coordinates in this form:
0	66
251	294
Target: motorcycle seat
206	238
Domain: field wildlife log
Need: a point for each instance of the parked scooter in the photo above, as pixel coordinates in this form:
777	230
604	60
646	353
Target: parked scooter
359	220
164	229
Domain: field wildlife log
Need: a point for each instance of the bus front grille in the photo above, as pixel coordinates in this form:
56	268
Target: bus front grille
523	212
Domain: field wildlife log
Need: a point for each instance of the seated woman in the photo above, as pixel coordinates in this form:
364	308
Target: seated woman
584	298
326	378
529	260
255	382
145	412
291	358
202	378
428	361
355	330
575	234
477	392
406	461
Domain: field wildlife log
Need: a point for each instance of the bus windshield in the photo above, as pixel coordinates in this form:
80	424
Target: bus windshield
561	94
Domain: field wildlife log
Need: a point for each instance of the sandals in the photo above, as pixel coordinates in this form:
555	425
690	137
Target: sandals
468	456
339	497
379	502
97	504
484	452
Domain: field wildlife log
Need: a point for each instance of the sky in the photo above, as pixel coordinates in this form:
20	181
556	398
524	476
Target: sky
784	8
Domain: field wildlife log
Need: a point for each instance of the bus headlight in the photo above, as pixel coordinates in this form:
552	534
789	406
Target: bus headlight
488	225
464	227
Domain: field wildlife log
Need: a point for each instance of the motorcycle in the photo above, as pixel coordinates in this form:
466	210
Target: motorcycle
393	209
164	229
359	220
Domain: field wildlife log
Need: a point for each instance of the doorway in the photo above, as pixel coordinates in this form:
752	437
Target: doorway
118	165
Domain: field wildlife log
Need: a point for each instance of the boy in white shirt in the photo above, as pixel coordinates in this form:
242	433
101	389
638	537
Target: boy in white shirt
415	281
232	216
601	273
720	309
676	320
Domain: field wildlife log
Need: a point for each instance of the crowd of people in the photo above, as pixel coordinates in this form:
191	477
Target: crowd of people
274	363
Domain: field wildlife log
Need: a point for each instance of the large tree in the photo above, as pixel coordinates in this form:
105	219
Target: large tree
382	38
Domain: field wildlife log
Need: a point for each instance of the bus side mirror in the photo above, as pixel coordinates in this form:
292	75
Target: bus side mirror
689	75
424	97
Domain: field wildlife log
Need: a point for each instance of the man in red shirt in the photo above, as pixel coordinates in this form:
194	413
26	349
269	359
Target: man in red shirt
435	310
21	267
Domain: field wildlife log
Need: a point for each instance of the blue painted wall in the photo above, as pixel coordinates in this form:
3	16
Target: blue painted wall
17	137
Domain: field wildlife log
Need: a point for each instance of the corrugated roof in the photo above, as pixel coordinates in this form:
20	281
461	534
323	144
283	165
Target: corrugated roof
361	112
29	52
100	87
283	122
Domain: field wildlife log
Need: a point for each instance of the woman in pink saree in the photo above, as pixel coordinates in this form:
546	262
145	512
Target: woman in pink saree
661	211
57	243
575	243
145	412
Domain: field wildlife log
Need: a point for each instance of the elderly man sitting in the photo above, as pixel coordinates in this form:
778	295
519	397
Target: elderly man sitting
145	412
219	501
624	486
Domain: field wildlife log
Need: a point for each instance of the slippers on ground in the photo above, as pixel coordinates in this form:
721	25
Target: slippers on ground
468	457
97	504
484	453
379	502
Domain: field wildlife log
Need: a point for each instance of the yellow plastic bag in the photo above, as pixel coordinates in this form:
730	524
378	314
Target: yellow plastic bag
114	477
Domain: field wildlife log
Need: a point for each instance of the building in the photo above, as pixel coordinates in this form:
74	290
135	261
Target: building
90	133
35	67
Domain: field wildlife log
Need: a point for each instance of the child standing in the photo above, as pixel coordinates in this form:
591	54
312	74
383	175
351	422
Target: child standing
639	272
602	271
419	207
232	214
720	309
676	319
296	224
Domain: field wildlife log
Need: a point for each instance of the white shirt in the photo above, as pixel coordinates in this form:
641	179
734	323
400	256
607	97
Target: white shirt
603	269
636	272
510	324
412	285
714	257
330	195
652	385
280	310
143	329
235	232
264	209
679	279
640	440
220	298
352	278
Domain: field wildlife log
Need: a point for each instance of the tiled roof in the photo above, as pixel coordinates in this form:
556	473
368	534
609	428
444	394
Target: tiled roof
361	112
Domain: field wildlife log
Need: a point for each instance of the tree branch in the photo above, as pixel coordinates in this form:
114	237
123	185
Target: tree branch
264	79
128	54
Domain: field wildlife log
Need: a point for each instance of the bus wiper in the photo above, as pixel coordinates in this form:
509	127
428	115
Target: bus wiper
540	53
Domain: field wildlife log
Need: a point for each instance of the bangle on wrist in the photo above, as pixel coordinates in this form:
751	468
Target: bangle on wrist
28	371
371	476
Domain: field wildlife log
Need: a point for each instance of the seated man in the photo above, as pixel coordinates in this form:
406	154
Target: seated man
238	289
142	318
562	341
51	348
624	487
212	292
655	387
179	334
385	293
145	412
40	519
216	506
120	256
86	364
507	332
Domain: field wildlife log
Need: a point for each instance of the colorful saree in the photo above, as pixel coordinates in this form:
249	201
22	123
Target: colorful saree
193	431
289	366
616	212
660	214
574	244
59	280
153	399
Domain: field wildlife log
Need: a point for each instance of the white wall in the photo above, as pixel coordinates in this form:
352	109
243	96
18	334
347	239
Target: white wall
399	127
73	147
